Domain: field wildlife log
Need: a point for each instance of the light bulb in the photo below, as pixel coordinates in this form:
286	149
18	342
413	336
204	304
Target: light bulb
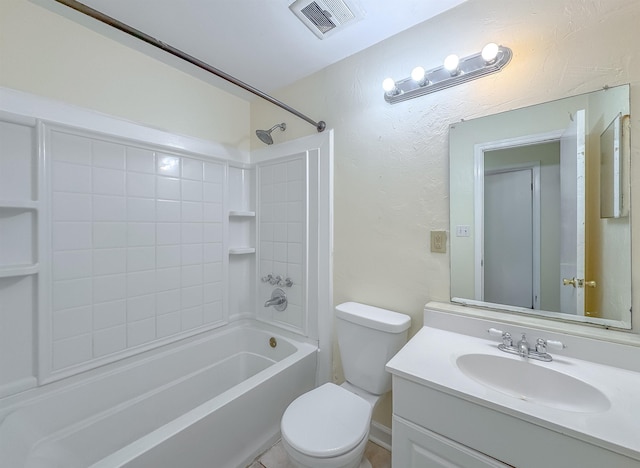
418	74
490	52
451	64
389	86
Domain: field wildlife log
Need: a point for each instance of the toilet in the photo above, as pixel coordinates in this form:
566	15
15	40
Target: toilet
328	427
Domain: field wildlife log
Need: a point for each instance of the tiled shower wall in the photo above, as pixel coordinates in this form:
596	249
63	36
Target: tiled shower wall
137	246
282	212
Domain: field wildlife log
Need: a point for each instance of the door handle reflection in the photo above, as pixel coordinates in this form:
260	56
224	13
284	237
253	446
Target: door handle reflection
578	283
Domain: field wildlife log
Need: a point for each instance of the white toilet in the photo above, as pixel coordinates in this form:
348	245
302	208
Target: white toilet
328	427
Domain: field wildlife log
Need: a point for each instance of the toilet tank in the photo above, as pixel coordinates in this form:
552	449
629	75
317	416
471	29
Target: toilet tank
368	338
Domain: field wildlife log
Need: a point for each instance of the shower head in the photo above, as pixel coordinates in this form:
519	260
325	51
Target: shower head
265	135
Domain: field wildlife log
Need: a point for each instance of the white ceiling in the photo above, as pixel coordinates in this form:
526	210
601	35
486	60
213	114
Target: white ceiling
261	42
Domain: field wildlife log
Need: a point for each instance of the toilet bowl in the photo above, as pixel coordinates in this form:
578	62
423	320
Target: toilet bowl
328	427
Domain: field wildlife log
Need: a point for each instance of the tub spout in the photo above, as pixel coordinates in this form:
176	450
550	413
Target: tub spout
275	301
278	300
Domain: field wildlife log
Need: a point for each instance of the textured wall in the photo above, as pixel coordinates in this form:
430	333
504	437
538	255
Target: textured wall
391	162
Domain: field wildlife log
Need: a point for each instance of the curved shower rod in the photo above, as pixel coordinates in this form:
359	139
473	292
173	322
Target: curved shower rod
95	14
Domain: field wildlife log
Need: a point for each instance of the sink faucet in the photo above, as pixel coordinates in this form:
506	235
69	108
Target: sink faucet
523	347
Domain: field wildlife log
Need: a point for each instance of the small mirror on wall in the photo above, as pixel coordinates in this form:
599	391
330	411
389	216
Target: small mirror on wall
612	149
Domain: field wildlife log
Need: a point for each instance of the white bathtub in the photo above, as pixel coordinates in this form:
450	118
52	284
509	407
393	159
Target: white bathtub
214	401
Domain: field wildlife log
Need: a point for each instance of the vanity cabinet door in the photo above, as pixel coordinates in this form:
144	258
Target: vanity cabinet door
417	447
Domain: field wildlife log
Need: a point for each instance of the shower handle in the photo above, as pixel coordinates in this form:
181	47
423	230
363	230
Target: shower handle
278	300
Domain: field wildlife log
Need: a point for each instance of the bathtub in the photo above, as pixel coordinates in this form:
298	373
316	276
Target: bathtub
213	401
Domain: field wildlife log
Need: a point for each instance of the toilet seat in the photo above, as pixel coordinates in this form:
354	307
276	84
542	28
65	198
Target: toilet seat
326	422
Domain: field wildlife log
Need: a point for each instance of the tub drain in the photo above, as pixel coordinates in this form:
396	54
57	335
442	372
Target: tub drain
273	342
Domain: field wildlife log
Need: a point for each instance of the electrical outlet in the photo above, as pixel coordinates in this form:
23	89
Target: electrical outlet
439	241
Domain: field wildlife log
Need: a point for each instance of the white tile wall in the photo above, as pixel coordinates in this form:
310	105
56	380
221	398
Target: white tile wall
137	249
282	235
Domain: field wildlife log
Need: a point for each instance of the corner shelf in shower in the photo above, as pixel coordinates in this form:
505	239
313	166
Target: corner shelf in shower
18	204
17	226
12	271
239	219
241	250
241	214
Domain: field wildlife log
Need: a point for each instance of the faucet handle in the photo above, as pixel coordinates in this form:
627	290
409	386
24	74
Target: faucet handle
556	345
542	345
506	336
285	282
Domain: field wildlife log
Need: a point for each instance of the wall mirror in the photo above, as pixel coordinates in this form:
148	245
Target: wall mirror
529	230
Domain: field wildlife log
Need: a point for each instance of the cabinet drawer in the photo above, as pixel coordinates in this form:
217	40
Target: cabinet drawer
417	447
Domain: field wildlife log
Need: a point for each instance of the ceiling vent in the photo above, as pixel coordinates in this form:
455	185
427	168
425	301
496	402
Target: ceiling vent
325	17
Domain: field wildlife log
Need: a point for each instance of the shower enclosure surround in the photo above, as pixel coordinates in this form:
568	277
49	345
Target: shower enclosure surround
282	236
136	245
113	245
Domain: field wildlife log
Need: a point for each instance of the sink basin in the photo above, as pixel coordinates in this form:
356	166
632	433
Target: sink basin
527	381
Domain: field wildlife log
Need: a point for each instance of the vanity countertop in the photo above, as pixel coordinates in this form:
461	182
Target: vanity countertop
429	359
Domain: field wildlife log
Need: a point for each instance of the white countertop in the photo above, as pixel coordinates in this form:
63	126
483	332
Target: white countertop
429	359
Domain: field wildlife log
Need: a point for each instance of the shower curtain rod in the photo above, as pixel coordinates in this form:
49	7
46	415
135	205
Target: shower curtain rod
95	14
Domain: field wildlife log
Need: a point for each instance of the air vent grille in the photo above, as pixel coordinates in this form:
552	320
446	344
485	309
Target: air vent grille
319	17
340	10
325	17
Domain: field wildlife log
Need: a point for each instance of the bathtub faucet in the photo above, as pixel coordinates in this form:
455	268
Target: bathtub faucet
278	300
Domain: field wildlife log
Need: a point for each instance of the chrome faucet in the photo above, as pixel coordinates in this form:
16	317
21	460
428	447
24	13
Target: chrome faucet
278	300
523	347
275	301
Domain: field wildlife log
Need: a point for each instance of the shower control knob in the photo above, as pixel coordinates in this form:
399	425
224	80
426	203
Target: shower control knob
267	279
285	283
273	281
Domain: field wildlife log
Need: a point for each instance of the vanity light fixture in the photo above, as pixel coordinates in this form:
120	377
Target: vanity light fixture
454	71
419	75
390	88
452	64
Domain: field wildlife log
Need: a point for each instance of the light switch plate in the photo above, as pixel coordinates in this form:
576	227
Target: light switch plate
439	241
463	230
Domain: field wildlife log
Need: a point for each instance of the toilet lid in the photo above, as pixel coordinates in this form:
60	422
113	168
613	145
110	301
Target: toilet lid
326	422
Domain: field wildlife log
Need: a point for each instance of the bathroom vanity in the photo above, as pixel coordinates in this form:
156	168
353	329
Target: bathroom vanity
460	401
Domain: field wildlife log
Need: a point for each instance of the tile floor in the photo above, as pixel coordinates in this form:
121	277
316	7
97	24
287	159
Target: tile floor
276	457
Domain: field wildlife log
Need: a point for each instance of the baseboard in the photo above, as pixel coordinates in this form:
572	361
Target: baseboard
380	435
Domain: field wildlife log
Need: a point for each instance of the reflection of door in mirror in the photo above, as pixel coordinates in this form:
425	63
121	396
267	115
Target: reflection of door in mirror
540	189
572	213
518	219
508	266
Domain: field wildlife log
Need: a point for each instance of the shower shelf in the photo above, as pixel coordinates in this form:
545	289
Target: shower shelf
19	270
19	204
241	250
242	214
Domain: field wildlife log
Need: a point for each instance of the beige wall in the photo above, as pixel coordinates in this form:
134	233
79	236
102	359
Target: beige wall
44	53
391	161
